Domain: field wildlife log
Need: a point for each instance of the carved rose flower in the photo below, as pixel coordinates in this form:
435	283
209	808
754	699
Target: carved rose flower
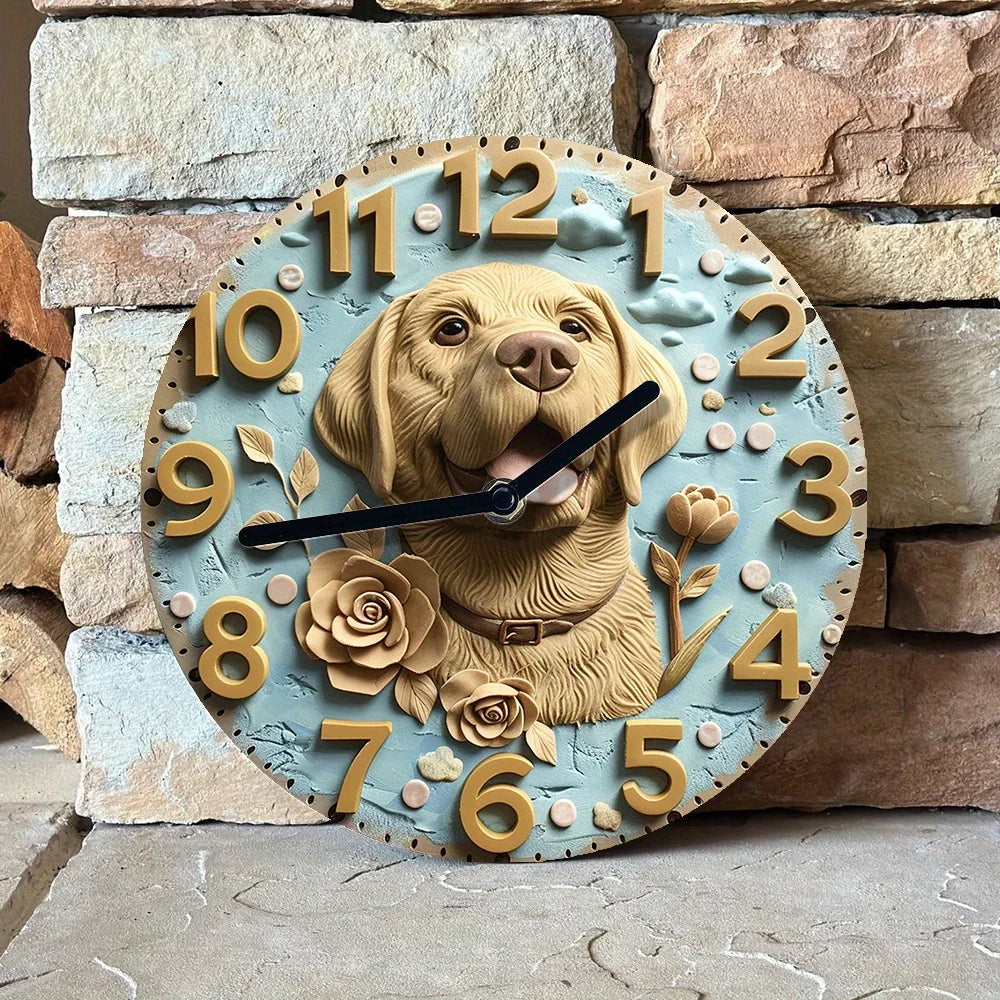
368	621
488	713
701	514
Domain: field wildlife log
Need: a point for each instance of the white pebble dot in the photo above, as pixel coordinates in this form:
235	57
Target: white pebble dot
721	436
427	217
282	589
182	604
755	574
290	277
712	262
705	367
709	734
760	436
562	812
831	634
415	793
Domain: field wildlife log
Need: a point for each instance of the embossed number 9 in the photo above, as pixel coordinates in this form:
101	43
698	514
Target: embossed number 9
475	798
218	493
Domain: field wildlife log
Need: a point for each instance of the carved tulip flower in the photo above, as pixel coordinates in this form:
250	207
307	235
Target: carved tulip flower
489	713
701	514
371	622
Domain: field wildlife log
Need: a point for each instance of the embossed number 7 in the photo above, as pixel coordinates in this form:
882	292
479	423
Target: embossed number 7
374	735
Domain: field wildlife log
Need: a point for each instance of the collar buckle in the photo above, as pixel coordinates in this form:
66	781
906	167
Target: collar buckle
512	631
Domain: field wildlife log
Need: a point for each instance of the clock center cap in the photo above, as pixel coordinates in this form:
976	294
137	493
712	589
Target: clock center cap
507	505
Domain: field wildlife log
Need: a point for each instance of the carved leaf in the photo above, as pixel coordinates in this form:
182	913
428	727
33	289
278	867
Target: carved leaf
542	741
370	542
677	669
415	694
257	443
265	517
699	581
664	565
304	474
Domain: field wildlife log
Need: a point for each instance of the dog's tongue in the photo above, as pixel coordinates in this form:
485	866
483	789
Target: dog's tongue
531	444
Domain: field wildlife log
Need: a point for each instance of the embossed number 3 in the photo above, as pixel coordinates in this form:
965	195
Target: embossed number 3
830	487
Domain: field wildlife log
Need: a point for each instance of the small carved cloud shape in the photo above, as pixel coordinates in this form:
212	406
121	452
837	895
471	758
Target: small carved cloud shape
674	308
588	225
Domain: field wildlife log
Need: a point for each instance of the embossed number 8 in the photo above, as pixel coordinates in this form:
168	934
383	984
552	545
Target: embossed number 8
242	644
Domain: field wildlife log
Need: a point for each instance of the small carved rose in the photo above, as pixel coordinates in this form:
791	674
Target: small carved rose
488	713
369	620
701	514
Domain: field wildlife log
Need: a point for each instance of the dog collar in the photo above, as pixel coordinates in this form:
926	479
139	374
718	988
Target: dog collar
520	631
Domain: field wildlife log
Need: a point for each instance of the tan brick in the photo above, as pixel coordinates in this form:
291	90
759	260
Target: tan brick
79	8
869	604
629	7
894	723
893	109
946	582
837	257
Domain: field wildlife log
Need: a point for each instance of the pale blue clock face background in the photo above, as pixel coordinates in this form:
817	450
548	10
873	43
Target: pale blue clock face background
282	720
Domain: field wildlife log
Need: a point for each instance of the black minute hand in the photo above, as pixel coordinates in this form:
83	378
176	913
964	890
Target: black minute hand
586	437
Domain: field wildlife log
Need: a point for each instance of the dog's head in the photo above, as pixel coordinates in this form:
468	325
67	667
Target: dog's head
483	371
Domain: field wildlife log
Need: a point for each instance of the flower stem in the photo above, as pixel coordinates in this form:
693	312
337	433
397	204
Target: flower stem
676	627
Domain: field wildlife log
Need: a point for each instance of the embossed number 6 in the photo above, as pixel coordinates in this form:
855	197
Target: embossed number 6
829	487
475	798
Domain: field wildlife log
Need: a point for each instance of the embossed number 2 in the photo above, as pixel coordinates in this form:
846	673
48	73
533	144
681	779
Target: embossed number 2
759	361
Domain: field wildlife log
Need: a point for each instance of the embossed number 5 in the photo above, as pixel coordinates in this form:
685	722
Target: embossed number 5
637	754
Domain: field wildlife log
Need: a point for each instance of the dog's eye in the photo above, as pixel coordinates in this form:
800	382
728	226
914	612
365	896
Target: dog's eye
573	328
452	332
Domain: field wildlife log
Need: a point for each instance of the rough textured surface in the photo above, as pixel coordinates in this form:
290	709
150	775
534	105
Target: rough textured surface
36	840
117	359
151	753
30	407
925	384
32	769
31	555
837	257
840	257
920	377
898	721
869	605
840	906
104	583
832	110
946	582
146	260
77	8
259	107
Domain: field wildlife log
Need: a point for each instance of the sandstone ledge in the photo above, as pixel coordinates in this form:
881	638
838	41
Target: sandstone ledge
883	109
837	257
237	107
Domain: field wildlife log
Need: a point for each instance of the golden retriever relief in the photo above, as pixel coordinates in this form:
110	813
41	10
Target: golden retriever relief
475	377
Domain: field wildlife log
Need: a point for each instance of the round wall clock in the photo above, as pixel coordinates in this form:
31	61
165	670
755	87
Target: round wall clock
503	499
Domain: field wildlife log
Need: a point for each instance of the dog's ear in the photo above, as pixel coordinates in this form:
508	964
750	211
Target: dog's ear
352	414
651	434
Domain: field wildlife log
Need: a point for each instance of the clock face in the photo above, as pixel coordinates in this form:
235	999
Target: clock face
662	607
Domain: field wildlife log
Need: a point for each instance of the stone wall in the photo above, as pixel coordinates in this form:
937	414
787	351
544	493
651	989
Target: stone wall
862	148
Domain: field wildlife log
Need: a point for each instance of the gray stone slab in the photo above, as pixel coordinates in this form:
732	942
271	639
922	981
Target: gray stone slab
234	107
886	906
36	839
32	770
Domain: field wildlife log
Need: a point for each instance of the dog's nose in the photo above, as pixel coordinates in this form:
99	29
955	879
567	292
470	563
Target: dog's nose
539	359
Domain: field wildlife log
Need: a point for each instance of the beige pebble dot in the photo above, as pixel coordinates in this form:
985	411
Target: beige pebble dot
427	217
182	604
755	574
282	589
290	277
580	197
721	436
766	409
712	262
415	793
291	383
831	634
760	436
709	734
712	400
562	812
705	367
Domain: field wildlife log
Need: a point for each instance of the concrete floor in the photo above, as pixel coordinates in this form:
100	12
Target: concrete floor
843	905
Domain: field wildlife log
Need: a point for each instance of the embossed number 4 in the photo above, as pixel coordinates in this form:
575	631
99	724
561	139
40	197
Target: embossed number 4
783	625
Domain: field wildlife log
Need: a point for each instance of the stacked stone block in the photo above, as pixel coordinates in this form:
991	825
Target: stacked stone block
863	150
